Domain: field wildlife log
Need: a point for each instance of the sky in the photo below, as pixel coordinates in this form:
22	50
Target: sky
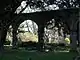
29	24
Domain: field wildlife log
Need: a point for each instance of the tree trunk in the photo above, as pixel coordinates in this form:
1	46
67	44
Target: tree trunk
34	28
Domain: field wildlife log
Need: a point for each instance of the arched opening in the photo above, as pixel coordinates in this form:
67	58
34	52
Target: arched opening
9	36
27	34
56	34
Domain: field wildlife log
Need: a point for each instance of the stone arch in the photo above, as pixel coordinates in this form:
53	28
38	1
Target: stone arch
15	26
23	18
43	18
40	28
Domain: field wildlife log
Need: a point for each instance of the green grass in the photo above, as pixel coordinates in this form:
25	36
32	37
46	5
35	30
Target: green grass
25	55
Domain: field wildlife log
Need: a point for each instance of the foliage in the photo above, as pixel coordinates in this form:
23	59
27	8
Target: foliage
25	37
7	42
57	3
36	4
67	40
54	33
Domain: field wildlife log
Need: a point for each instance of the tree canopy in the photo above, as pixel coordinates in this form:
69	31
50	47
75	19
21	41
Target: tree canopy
43	4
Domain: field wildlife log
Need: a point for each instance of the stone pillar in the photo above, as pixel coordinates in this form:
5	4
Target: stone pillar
73	33
79	28
40	37
3	33
73	37
1	41
14	40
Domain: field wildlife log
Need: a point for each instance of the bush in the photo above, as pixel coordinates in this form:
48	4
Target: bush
29	44
7	43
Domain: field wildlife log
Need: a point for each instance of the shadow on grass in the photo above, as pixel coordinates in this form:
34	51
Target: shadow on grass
36	55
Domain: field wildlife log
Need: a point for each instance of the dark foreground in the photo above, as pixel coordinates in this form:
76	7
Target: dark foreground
35	55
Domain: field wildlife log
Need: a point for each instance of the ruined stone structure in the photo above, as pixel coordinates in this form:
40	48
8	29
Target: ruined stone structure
68	16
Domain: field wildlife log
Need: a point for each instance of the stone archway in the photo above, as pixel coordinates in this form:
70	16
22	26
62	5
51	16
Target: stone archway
40	29
54	30
42	17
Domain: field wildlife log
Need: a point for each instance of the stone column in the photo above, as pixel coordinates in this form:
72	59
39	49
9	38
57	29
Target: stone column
73	37
1	41
79	28
3	33
73	33
14	40
40	37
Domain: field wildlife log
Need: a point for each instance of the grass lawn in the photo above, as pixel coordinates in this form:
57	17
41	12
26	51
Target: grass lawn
25	55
